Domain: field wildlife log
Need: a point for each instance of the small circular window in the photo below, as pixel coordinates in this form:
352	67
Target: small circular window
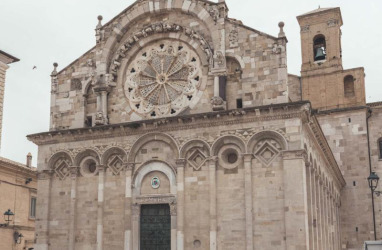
88	166
229	156
232	158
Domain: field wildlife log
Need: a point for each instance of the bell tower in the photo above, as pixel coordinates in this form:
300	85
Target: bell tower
321	41
324	81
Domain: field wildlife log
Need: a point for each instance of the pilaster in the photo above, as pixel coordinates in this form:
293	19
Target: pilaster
44	185
297	234
248	201
73	199
128	245
180	163
213	200
101	186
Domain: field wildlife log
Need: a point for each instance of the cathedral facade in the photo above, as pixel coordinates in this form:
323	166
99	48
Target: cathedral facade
182	129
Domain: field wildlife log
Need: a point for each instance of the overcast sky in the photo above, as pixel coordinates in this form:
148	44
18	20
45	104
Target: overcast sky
41	32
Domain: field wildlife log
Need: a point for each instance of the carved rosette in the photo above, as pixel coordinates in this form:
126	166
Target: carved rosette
163	79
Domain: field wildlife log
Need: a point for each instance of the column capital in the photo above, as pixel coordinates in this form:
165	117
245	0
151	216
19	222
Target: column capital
45	174
73	171
101	168
213	159
129	165
247	157
180	163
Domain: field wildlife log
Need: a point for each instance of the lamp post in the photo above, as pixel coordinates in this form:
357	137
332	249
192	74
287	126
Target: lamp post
373	180
8	216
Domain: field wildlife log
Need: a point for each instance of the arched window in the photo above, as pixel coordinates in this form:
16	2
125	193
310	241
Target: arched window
380	148
319	48
349	86
90	107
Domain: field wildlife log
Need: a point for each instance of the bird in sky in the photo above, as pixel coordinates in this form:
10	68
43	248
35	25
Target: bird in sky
34	67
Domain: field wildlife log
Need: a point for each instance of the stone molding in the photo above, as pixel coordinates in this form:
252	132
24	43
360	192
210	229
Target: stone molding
263	113
157	199
44	175
294	154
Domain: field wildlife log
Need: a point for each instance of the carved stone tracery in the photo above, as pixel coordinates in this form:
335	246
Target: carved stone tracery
163	79
162	27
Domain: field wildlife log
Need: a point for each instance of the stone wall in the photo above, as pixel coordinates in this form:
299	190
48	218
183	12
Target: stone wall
346	133
253	62
216	202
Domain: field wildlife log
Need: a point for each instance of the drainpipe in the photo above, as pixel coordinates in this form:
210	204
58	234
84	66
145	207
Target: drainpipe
369	114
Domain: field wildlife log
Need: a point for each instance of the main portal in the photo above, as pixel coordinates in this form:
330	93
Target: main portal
155	227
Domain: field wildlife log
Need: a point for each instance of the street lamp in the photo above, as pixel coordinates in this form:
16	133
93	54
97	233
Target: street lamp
8	215
373	180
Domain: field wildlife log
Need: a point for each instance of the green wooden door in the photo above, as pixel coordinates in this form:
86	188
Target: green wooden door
155	227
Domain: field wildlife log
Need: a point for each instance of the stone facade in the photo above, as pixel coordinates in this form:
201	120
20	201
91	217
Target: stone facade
5	59
18	186
179	104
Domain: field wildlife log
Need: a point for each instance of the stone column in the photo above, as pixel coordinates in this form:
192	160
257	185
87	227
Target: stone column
128	215
213	201
101	186
73	201
104	106
296	211
43	203
136	214
248	201
216	86
173	214
180	163
99	102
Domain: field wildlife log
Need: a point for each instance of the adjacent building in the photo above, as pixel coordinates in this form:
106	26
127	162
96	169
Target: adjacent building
182	129
18	183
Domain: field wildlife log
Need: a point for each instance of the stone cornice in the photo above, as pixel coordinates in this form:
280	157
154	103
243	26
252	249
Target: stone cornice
315	132
204	120
11	166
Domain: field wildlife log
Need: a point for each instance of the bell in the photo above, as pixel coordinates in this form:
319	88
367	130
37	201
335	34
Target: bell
320	54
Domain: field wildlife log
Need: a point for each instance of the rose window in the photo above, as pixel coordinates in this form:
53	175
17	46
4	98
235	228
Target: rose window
163	80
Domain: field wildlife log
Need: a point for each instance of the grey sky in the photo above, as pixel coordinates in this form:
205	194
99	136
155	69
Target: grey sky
41	32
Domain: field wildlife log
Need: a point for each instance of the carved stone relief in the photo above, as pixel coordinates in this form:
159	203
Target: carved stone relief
234	38
162	27
163	79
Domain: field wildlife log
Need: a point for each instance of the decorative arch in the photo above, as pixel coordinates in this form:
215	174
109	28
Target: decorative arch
226	140
152	166
194	144
86	153
145	9
59	155
196	152
115	159
237	58
153	137
61	163
113	151
255	139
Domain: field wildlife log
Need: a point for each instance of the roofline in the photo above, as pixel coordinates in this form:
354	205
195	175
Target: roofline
324	11
14	59
70	64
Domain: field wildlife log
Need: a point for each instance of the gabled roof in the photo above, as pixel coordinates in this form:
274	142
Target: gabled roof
7	58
